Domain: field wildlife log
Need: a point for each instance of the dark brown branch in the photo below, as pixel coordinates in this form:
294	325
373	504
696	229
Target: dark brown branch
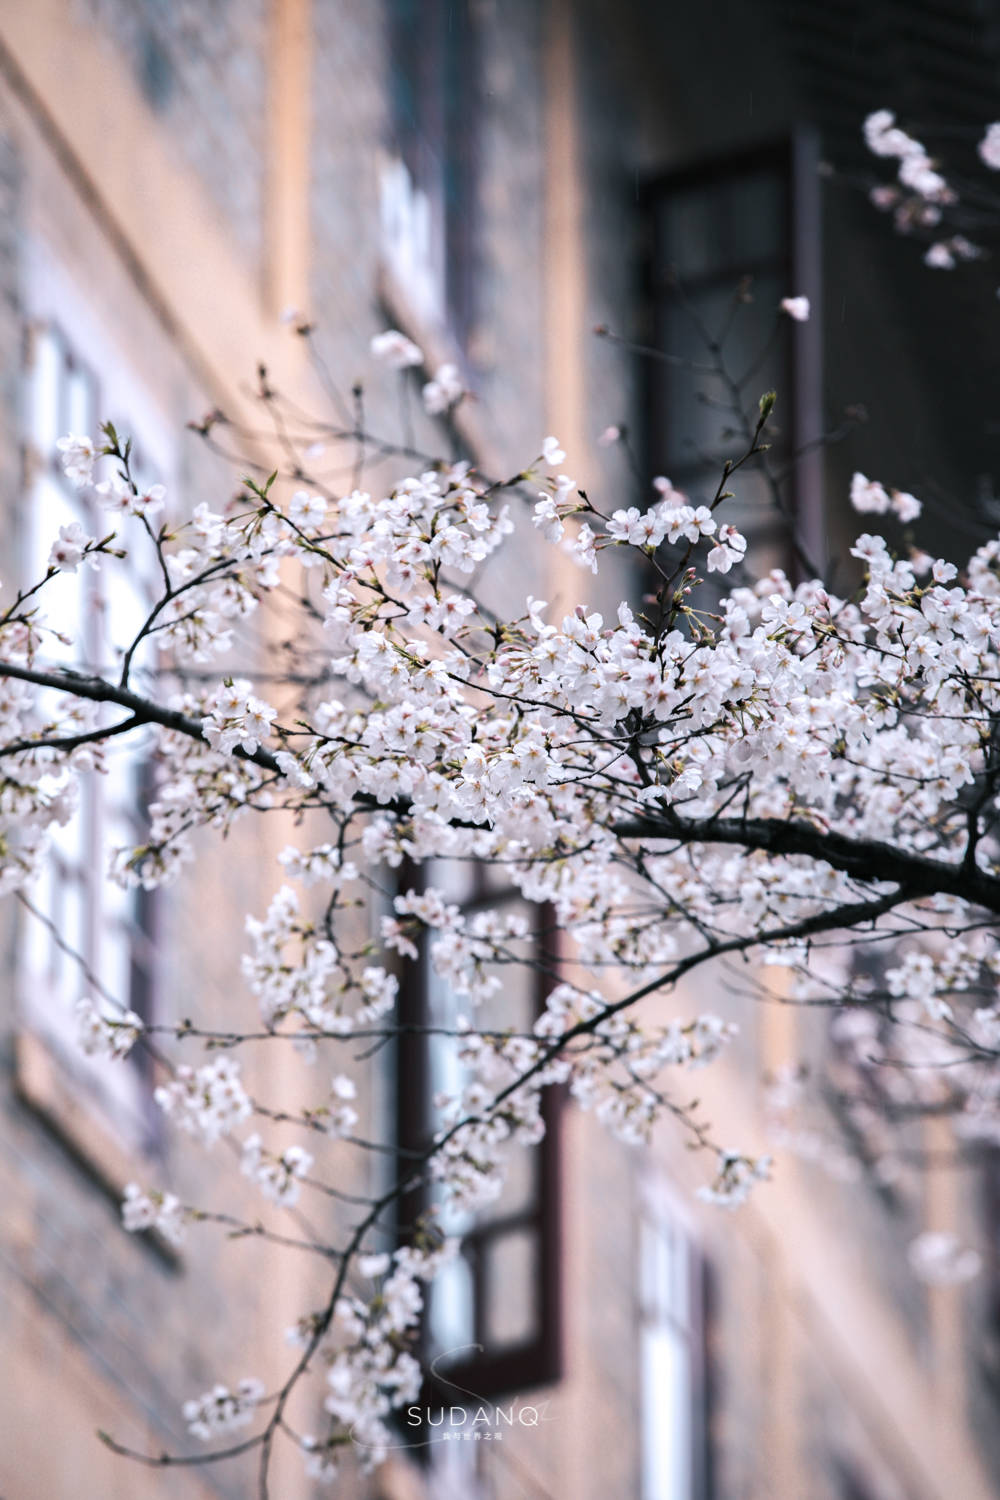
861	858
99	691
69	742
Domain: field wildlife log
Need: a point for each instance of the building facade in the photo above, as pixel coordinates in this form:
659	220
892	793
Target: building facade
498	178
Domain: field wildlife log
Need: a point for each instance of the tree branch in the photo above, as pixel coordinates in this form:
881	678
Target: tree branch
863	859
144	711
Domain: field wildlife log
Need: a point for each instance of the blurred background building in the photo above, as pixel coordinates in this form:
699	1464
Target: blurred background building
497	178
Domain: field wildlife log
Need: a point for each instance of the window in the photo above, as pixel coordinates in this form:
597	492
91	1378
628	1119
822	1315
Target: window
725	244
674	1385
428	182
990	1291
82	935
502	1292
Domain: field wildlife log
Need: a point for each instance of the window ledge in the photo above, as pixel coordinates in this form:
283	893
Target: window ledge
43	1085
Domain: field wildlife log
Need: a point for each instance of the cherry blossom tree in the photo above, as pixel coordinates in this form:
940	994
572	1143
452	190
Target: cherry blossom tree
721	767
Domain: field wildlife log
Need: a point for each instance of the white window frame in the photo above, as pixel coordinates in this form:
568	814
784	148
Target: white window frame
673	1445
109	929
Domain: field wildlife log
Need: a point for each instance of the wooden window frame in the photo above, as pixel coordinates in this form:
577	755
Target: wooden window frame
537	1361
795	160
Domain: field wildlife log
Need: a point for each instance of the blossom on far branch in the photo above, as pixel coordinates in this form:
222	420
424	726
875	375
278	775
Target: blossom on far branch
106	1033
278	1175
797	308
916	170
989	147
871	498
206	1102
399	352
923	202
221	1411
153	1210
442	394
938	1259
735	1176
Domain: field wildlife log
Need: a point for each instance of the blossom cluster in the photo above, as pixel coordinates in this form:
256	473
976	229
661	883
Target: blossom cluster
732	768
278	1176
441	394
153	1210
107	1034
237	718
922	196
295	968
735	1176
221	1410
371	1370
206	1102
938	1259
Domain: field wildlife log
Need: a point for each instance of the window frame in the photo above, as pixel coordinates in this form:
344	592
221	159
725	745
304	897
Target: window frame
539	1360
989	1201
53	1077
795	159
659	1213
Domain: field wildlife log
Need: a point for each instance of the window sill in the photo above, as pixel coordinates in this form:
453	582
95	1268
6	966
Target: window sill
45	1088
